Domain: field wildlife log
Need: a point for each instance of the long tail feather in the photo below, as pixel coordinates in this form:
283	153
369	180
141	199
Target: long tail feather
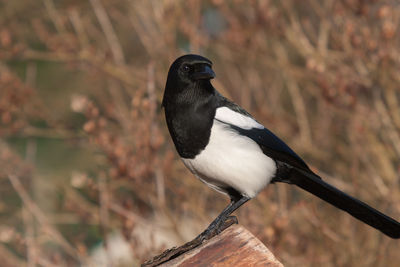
358	209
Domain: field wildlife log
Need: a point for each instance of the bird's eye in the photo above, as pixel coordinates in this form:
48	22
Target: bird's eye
186	68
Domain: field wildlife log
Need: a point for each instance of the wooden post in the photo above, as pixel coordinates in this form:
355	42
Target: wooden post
235	246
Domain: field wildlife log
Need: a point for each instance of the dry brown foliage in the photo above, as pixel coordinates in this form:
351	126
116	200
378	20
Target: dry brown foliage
85	153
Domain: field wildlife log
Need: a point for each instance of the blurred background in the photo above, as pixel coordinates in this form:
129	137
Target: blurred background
89	175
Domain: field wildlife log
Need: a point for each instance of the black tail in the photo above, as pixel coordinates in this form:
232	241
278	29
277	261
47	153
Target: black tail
316	186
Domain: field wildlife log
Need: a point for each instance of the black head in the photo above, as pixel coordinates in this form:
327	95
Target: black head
185	73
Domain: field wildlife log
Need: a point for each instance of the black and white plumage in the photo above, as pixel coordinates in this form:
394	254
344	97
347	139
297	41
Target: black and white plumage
226	148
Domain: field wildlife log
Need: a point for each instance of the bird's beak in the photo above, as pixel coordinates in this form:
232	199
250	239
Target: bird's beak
204	74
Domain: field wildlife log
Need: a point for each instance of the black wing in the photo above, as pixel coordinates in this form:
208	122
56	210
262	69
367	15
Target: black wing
270	144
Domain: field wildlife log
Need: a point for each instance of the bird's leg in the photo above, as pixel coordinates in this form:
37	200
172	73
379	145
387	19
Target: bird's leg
215	227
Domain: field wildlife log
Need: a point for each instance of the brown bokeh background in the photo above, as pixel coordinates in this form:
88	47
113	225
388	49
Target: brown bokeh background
89	175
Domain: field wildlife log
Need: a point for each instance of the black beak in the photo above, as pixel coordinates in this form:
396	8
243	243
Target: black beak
205	74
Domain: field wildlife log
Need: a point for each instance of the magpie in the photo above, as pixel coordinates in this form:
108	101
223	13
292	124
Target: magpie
228	150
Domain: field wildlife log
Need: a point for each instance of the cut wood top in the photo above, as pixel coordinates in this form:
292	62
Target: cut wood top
235	246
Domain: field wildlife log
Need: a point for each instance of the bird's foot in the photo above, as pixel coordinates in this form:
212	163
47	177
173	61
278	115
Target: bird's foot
216	228
228	222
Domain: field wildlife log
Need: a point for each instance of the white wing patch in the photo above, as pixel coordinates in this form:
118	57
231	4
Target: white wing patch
227	115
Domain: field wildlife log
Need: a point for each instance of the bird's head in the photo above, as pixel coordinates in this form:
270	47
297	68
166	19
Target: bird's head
185	72
191	68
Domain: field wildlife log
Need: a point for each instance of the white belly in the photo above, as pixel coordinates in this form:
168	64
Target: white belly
232	160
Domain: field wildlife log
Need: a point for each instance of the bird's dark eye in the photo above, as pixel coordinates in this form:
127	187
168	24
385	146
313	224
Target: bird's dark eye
186	68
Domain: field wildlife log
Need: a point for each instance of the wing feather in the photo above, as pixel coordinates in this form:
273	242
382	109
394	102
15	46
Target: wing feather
271	145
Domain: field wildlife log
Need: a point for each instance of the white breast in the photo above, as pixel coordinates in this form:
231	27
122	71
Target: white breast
233	160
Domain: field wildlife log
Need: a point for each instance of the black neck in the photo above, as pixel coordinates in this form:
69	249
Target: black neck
189	115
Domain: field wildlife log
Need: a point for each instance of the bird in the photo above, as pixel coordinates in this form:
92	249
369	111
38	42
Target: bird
230	151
